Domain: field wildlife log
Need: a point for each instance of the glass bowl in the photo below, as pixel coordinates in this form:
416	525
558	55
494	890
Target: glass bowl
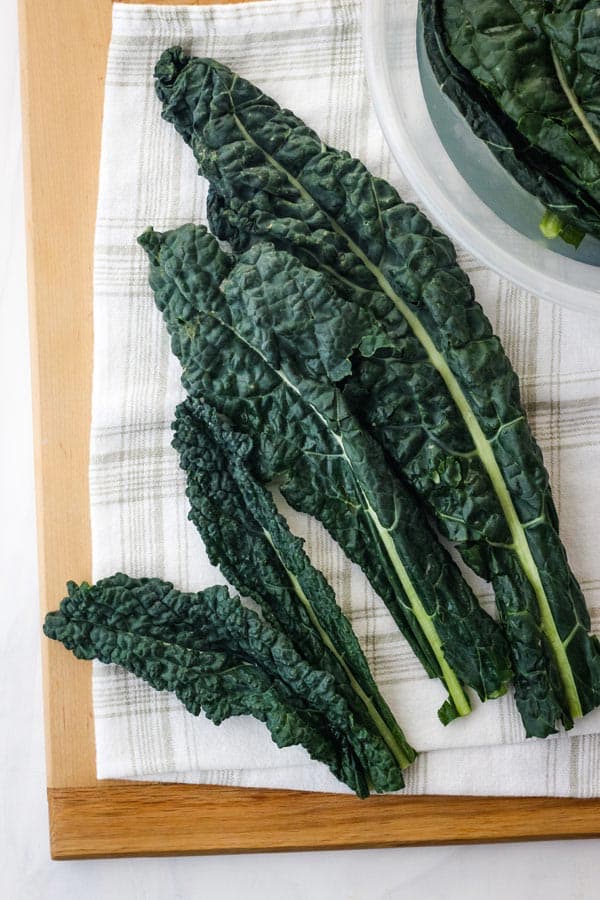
457	178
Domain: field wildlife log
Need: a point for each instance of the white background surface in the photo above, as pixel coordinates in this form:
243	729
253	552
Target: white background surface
521	871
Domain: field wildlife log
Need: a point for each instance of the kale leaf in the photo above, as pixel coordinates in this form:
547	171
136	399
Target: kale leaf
222	659
246	536
573	28
509	47
441	397
525	77
570	210
261	341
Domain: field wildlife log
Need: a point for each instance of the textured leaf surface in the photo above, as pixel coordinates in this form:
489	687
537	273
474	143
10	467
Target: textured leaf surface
246	536
532	167
441	397
573	27
505	46
263	351
218	657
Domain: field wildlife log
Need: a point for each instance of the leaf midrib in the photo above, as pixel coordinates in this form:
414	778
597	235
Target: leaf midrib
521	545
398	752
572	99
449	677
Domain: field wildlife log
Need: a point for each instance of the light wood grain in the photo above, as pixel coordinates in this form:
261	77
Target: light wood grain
62	85
62	94
197	819
63	57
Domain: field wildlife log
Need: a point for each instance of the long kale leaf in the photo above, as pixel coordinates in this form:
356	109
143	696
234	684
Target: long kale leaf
442	397
246	536
219	658
256	342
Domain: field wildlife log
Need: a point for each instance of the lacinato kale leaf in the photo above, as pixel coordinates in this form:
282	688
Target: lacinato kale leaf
219	658
571	210
525	77
573	29
440	397
260	341
245	535
506	47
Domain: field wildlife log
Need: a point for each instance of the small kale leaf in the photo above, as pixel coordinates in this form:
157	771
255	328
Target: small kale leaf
246	536
218	657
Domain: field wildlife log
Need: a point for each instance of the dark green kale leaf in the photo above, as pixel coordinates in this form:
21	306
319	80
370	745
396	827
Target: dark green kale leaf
573	30
520	74
219	658
441	397
505	47
246	536
261	346
571	209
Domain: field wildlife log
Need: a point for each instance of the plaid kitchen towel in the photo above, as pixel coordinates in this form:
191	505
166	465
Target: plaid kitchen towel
308	55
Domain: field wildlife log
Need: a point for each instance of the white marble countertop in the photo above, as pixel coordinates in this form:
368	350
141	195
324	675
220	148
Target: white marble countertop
534	871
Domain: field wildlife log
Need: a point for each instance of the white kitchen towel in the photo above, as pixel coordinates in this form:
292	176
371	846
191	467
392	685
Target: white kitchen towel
308	55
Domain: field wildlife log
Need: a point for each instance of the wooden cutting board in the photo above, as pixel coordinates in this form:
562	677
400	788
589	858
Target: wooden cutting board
63	56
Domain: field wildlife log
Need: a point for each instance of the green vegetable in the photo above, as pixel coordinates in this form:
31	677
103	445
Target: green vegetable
525	75
221	659
573	29
552	226
245	535
440	397
260	341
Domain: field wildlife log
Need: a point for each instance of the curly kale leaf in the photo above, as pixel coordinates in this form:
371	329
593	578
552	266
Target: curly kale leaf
219	658
246	536
261	346
441	397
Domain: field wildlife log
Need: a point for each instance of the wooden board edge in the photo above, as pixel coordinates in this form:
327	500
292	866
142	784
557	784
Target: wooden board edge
149	819
61	128
61	141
